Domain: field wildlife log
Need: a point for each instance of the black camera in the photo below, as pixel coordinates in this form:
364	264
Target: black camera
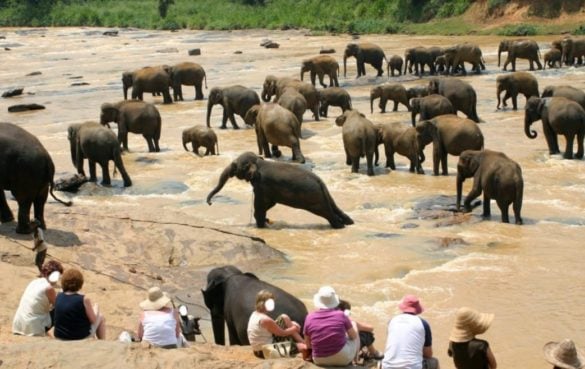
189	324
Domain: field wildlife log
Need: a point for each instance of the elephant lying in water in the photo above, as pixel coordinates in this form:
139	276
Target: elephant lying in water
280	183
230	296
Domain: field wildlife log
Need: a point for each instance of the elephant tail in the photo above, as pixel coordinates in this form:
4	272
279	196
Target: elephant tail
119	165
158	128
51	187
346	220
217	146
205	79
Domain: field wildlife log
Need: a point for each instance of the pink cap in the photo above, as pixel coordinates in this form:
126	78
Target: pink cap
410	304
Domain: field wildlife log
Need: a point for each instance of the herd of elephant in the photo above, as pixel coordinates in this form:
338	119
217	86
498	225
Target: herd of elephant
28	170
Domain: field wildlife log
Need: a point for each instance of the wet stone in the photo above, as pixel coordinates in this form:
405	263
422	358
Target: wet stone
110	33
194	52
237	52
13	92
24	107
79	84
446	242
329	50
36	73
409	226
168	50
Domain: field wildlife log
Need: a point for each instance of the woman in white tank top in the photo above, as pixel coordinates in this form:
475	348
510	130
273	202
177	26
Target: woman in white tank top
159	323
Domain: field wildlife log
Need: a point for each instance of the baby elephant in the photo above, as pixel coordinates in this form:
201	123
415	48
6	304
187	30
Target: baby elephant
334	96
498	176
552	58
395	64
201	136
401	139
360	139
388	91
430	106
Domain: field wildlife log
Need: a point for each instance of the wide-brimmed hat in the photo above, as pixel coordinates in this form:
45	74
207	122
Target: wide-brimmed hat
326	298
469	323
564	354
410	304
157	299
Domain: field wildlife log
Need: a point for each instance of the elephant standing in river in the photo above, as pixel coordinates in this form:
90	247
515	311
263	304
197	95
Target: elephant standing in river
401	139
572	48
148	79
449	134
281	183
27	170
360	138
334	96
460	93
230	296
364	52
388	91
394	64
189	74
419	57
494	174
136	117
516	83
552	58
275	86
294	101
570	92
320	66
234	100
430	107
523	49
459	54
560	116
201	136
97	144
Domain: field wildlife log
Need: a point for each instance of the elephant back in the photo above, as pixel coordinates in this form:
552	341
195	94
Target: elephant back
458	134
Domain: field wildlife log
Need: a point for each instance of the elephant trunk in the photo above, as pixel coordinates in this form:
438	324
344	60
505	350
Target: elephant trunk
73	147
209	107
125	88
345	65
527	123
499	55
265	95
218	325
185	139
413	116
372	97
303	74
227	173
460	180
499	92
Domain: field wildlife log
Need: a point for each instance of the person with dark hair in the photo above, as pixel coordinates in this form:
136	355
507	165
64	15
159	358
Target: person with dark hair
33	316
366	333
76	317
469	352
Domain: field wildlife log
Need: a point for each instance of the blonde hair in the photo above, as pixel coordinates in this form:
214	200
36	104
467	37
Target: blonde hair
261	298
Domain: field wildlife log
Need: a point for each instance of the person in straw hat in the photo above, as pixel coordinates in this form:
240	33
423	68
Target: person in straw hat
409	344
564	355
159	322
467	351
332	336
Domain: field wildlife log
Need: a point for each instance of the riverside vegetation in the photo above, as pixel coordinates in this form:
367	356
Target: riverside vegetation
320	16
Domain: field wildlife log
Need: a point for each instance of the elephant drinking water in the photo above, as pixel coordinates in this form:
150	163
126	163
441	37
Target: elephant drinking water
234	100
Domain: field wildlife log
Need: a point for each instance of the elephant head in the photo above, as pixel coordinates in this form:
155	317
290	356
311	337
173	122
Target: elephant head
434	86
186	138
72	137
127	81
567	51
215	97
426	132
415	106
340	120
109	113
533	112
548	91
350	50
468	164
251	115
504	46
307	66
375	93
243	167
213	296
505	82
417	91
269	88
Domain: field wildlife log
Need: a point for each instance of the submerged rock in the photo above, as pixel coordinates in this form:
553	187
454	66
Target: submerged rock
13	92
25	107
194	52
329	50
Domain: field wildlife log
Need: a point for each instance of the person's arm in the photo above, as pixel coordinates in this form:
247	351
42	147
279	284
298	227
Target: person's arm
428	351
271	326
89	310
352	333
308	341
177	320
51	295
363	327
428	345
491	359
140	332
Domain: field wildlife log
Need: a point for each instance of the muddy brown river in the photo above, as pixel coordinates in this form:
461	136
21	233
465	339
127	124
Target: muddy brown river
530	276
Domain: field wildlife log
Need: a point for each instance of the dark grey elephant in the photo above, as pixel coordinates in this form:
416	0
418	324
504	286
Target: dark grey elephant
460	93
494	174
417	91
275	86
320	66
552	58
364	52
460	54
516	83
148	79
294	101
334	96
99	145
522	49
281	183
136	117
234	100
188	74
570	92
388	91
419	57
201	136
560	116
394	65
401	139
449	134
572	49
230	296
360	138
430	106
27	170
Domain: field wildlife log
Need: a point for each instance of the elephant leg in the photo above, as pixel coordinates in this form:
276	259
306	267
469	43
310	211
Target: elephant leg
569	138
155	142
355	164
320	75
486	206
515	102
224	119
276	152
505	99
120	165
313	77
382	104
472	195
444	163
265	147
92	172
517	205
23	226
580	137
395	105
5	212
39	206
149	143
315	111
370	163
125	141
437	154
261	207
347	158
232	119
167	97
513	62
333	80
324	109
551	137
389	157
531	68
504	205
198	91
297	154
106	181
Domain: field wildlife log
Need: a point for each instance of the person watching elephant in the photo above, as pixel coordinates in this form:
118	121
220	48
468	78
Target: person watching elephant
263	330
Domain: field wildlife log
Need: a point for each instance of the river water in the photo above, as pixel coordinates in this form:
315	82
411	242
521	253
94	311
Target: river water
530	276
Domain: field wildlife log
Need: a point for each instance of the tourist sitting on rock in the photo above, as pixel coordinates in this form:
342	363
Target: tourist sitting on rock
262	329
564	355
467	351
76	318
159	322
33	316
331	335
366	333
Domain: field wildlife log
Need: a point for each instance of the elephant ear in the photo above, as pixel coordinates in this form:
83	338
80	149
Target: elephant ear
251	115
340	120
251	173
251	275
542	104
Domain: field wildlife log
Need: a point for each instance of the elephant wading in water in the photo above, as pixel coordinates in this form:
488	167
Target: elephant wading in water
360	138
449	134
419	57
430	107
560	116
570	92
401	139
230	296
281	183
364	52
572	48
136	117
294	101
97	144
334	96
523	49
494	174
516	83
394	64
234	100
321	65
26	169
189	74
552	58
389	91
275	86
148	79
460	93
201	136
277	126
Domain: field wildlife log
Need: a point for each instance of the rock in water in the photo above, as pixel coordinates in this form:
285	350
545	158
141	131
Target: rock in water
24	107
194	52
70	184
327	51
13	92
